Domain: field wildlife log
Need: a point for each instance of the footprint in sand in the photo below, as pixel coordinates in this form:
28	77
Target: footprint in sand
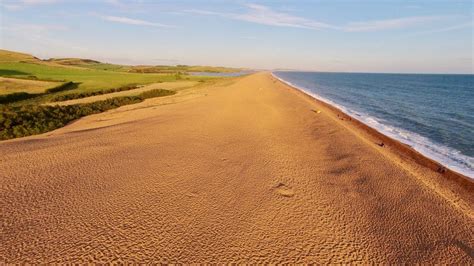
284	190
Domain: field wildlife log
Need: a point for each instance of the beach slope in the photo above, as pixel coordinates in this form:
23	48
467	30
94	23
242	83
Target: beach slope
246	170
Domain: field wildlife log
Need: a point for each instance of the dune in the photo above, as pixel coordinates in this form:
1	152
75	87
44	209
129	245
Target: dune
246	170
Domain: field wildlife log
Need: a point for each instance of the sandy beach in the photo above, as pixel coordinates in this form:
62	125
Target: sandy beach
247	170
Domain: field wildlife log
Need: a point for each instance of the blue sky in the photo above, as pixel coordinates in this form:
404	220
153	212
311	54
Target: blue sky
429	36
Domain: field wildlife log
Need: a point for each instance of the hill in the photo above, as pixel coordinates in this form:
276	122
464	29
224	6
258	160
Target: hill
17	57
73	61
10	56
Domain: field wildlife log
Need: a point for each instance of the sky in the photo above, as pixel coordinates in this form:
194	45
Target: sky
418	36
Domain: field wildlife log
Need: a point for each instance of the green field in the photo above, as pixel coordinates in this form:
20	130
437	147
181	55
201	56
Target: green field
90	79
27	83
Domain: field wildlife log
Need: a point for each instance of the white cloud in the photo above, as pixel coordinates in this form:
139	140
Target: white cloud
202	12
444	29
20	4
131	6
266	16
389	23
38	2
131	21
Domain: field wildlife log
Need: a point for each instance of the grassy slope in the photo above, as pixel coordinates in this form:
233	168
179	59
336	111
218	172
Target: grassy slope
10	85
10	56
87	63
90	79
19	65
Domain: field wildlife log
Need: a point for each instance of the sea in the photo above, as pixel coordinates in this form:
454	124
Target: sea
433	113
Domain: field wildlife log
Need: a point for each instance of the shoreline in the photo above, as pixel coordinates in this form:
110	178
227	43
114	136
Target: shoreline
454	187
403	148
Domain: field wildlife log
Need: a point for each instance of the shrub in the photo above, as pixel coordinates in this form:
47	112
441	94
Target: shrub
63	87
16	96
79	95
156	93
36	119
20	96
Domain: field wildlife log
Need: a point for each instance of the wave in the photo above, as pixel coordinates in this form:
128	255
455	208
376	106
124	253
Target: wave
446	156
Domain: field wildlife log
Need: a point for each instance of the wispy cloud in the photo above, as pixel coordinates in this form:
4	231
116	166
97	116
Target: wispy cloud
132	6
117	3
20	4
113	2
389	24
137	22
264	15
445	29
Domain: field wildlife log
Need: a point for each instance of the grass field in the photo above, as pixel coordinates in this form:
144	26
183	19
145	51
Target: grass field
11	85
90	79
28	83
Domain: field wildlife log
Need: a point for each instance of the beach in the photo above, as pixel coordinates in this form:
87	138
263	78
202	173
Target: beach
246	170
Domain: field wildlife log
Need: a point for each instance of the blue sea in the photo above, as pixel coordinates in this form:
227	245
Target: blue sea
432	113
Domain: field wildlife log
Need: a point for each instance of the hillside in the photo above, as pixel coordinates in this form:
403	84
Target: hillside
10	56
17	57
73	61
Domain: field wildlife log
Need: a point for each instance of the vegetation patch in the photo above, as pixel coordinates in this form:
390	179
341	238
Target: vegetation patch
79	95
182	69
63	87
16	96
20	121
9	72
21	96
156	93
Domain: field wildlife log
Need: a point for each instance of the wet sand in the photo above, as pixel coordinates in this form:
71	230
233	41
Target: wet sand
245	170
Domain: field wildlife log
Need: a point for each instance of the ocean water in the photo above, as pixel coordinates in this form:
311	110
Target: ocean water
432	113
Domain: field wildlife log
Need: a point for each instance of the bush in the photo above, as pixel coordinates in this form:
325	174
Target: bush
20	96
156	93
36	119
16	96
79	95
63	87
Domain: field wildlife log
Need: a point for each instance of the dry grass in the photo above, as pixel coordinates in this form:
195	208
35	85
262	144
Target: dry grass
11	85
